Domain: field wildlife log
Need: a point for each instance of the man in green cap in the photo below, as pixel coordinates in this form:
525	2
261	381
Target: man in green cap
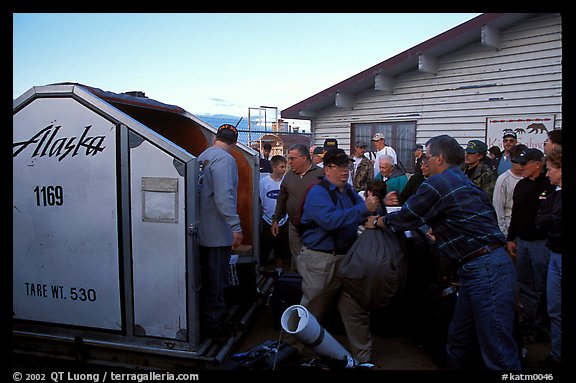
477	169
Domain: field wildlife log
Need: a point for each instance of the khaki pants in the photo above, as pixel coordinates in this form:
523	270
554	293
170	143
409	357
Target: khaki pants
321	286
295	245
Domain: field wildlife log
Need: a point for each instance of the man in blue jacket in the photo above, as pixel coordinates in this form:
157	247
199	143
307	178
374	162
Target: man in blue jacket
331	215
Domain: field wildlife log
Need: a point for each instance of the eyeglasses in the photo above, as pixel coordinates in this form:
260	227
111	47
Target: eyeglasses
509	140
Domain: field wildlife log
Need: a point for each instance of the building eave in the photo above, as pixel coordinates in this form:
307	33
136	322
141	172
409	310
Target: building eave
407	60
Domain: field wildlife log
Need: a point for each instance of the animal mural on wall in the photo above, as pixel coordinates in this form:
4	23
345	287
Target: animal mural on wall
531	131
537	128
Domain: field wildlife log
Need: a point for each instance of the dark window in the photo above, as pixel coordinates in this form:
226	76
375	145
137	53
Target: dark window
401	136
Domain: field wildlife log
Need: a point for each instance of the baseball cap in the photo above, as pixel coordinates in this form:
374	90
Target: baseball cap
517	150
228	132
532	154
509	133
361	144
336	157
318	150
330	143
476	146
378	137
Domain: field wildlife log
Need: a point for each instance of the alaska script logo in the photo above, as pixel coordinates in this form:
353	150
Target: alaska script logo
47	143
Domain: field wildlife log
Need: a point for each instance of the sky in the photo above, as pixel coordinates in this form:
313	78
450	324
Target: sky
213	63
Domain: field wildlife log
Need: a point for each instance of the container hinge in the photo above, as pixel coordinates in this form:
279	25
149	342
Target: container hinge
192	229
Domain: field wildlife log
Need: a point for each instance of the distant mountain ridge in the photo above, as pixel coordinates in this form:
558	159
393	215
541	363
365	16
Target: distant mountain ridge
218	119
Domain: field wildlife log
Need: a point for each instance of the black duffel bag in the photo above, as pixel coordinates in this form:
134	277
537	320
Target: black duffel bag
374	269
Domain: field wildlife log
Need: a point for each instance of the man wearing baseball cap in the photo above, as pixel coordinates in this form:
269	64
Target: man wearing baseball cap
328	230
418	151
219	230
362	173
528	245
381	149
509	139
476	168
317	155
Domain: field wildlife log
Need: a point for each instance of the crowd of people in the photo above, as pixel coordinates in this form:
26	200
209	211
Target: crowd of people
496	215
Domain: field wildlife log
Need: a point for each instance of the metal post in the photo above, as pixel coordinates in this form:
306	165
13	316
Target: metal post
249	129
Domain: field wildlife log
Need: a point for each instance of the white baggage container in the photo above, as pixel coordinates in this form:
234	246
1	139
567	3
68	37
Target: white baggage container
104	221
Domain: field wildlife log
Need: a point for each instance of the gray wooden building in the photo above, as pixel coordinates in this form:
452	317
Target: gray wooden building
495	71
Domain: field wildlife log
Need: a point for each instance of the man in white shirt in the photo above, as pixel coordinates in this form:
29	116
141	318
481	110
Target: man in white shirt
382	149
504	189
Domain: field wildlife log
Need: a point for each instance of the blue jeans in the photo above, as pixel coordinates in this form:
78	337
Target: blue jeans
532	265
554	291
485	309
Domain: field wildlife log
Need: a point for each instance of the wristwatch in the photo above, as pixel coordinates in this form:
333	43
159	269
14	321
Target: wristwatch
375	223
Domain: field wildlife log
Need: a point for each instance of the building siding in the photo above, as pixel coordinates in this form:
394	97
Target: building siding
523	77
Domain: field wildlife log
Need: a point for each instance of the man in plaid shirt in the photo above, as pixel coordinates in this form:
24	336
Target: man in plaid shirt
464	224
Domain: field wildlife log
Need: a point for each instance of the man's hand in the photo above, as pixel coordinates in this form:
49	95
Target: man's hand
370	222
391	199
430	235
274	229
372	203
238	237
511	248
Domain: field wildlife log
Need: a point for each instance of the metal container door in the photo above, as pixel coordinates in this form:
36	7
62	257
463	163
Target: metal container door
65	215
158	184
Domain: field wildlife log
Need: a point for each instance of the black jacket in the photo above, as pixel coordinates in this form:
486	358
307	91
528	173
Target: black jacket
418	167
410	189
265	166
528	195
549	220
